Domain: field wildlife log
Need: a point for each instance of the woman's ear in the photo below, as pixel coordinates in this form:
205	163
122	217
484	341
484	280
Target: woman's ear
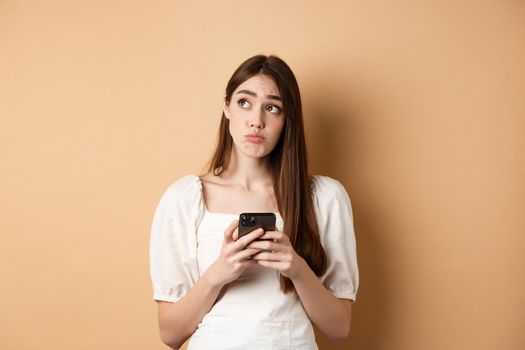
226	110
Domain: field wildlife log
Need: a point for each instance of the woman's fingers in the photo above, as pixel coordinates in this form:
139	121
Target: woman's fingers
244	254
273	235
265	245
244	240
268	256
228	233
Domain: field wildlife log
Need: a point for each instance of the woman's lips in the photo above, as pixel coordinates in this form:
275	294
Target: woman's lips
255	139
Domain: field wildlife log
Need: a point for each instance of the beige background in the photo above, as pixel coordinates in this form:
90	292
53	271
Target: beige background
417	107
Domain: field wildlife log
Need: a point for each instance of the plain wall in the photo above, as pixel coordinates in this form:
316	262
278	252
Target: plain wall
417	107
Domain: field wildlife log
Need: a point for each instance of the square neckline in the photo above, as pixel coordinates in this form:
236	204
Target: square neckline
201	190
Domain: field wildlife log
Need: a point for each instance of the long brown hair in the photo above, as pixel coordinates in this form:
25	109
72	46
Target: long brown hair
292	184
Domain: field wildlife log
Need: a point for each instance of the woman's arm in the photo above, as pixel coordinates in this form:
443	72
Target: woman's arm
330	314
179	320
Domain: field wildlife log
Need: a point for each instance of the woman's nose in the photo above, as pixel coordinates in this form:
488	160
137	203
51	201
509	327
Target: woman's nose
257	119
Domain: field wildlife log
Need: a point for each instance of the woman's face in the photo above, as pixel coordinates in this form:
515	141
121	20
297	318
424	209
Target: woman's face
255	109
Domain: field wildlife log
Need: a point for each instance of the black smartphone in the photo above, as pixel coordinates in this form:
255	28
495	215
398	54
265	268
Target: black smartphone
252	221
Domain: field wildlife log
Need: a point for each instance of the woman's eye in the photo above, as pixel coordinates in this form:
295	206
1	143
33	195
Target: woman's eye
243	103
274	109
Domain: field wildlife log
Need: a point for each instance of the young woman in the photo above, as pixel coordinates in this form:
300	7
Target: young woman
227	292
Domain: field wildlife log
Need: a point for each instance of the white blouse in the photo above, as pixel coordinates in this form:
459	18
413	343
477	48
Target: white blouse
250	312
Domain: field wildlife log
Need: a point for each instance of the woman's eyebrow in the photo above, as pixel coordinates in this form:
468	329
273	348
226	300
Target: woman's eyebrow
248	92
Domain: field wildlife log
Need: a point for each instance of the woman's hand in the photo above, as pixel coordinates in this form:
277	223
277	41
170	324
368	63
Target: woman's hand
235	256
279	254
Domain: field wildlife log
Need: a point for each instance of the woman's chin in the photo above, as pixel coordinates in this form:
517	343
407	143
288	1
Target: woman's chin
256	154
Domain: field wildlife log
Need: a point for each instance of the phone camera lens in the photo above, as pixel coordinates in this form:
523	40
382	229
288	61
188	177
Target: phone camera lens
252	220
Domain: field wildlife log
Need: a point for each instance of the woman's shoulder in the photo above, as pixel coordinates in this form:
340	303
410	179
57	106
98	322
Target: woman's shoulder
184	184
182	190
330	198
326	186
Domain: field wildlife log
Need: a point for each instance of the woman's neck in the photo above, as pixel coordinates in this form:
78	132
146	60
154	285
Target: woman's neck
248	172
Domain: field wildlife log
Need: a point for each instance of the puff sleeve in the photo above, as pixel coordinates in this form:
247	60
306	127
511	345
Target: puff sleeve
173	248
336	229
